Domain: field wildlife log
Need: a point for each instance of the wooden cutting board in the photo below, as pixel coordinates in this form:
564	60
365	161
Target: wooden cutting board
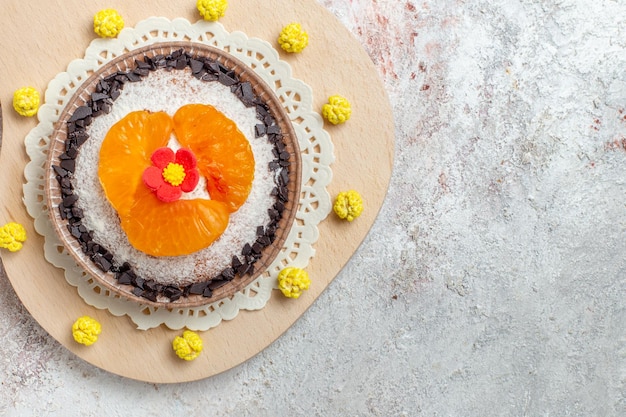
39	40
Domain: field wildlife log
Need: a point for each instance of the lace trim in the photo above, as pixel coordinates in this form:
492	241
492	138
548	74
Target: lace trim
315	146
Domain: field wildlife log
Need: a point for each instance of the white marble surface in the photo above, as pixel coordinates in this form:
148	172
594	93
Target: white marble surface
492	283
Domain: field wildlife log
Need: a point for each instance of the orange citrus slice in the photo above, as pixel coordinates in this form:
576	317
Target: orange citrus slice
224	154
184	226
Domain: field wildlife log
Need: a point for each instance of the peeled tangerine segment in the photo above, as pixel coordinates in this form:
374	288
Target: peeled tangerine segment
173	229
126	151
224	154
184	226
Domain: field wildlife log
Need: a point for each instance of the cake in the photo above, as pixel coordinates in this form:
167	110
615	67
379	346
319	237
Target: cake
176	81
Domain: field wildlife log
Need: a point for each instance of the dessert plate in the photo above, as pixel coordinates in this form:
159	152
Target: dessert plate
333	63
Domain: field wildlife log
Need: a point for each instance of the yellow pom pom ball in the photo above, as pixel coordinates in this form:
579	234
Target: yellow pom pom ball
26	101
292	281
12	235
348	205
212	9
337	110
86	330
108	23
293	38
189	346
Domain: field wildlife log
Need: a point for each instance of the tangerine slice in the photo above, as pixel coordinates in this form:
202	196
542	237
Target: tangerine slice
172	229
224	154
125	153
152	226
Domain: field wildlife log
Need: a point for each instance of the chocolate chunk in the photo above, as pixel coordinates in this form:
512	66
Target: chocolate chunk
283	193
257	248
79	137
90	246
243	269
98	96
111	77
137	291
143	64
226	80
132	77
207	292
124	278
283	177
77	212
235	263
261	111
142	72
247	249
138	282
274	165
62	212
198	287
105	108
215	284
122	78
209	77
115	93
247	94
196	66
150	285
260	231
279	206
259	130
150	295
273	213
159	61
177	53
228	274
225	70
60	171
80	113
212	66
70	200
181	63
102	262
172	293
264	241
273	130
125	267
72	152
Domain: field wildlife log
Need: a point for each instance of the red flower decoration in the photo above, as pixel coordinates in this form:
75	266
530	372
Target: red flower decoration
172	174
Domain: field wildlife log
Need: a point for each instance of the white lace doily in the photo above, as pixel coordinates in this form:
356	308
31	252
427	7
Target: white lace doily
315	146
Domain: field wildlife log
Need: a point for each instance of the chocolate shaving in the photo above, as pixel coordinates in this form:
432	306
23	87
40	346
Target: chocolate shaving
80	113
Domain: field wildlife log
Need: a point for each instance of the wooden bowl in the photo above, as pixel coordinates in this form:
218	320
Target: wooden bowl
83	95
